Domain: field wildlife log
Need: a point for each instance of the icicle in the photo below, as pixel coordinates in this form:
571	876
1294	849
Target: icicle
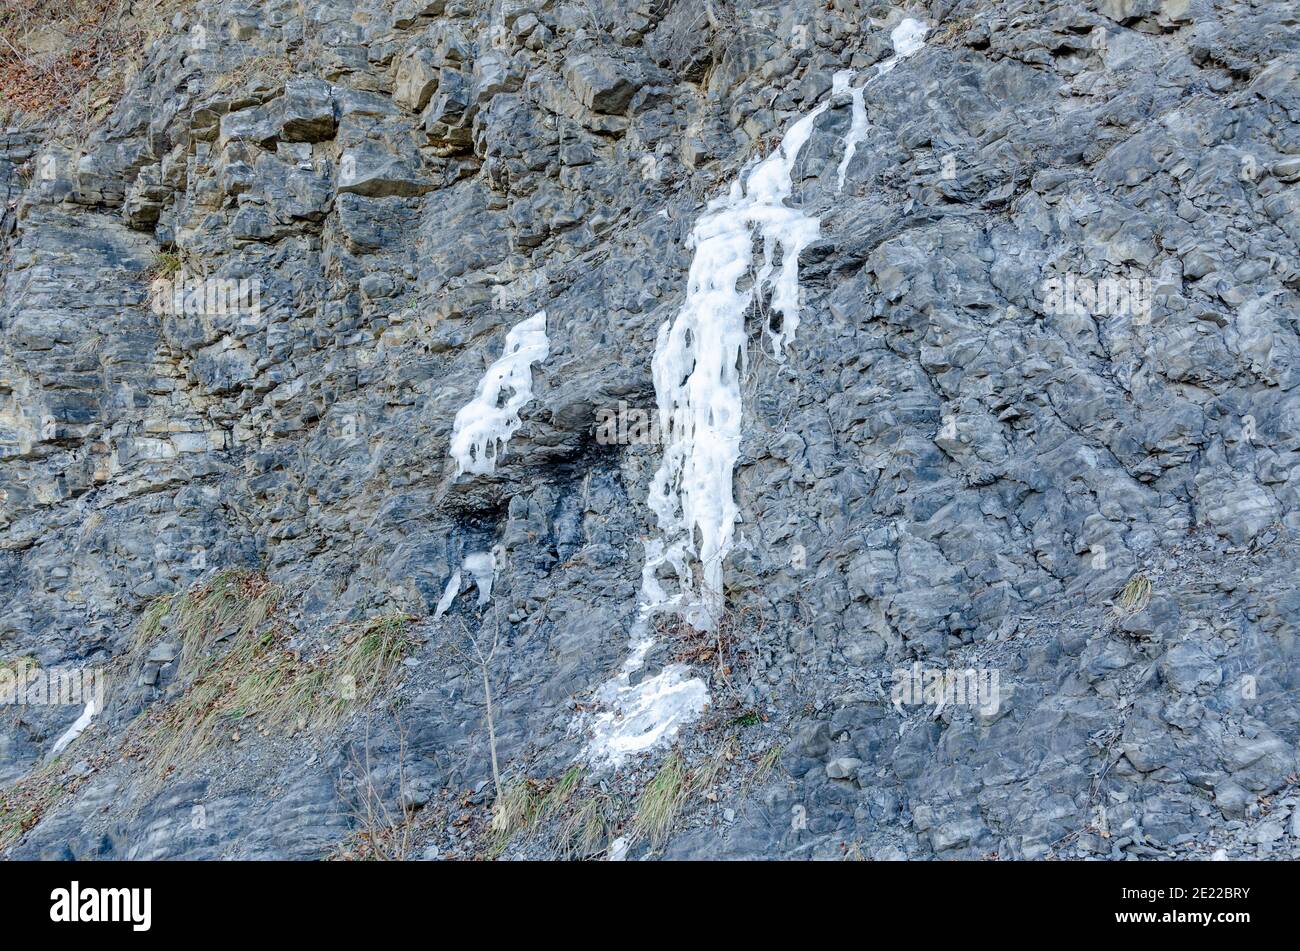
698	365
486	423
483	567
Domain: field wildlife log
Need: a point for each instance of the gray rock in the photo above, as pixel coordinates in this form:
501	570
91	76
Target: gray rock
843	767
308	111
416	80
949	467
600	83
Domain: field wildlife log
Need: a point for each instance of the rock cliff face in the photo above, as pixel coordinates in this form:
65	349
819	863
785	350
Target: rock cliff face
1037	421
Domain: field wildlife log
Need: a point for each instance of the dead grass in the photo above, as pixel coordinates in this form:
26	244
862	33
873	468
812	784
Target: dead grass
705	776
72	57
516	810
383	834
717	650
581	817
563	790
713	649
660	802
525	802
766	764
24	803
585	828
1133	597
233	603
258	682
16	664
14	673
165	264
945	33
266	69
665	796
352	673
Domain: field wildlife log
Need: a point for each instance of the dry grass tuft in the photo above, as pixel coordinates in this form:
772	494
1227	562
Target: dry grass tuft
165	264
72	57
24	803
233	603
265	69
664	797
524	803
660	802
563	790
255	681
766	763
585	829
258	680
515	810
17	664
1133	597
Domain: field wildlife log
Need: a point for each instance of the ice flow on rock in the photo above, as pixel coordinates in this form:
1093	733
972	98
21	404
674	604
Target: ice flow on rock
698	365
74	731
485	424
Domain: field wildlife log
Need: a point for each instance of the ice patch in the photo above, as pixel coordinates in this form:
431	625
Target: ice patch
483	566
908	39
698	366
448	595
486	423
859	125
640	717
75	730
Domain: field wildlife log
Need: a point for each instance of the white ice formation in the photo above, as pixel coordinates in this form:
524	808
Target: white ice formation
698	366
858	124
75	730
482	567
486	423
448	594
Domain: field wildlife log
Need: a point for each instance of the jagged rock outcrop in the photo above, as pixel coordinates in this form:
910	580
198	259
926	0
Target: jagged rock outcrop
1048	352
